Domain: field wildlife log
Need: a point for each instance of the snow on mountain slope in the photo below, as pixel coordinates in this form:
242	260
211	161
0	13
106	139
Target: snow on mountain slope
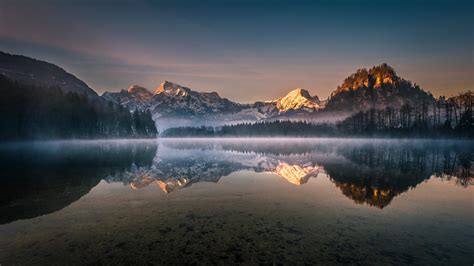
174	105
174	99
136	97
140	92
295	102
297	99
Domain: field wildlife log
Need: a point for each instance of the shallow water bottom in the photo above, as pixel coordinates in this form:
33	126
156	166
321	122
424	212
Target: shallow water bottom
247	217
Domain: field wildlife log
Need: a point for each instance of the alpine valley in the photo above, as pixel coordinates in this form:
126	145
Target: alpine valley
174	105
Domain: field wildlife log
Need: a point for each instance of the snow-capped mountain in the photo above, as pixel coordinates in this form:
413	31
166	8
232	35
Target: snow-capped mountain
174	105
174	99
298	99
133	98
171	99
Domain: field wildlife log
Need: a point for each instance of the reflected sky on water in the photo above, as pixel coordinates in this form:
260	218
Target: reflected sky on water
247	200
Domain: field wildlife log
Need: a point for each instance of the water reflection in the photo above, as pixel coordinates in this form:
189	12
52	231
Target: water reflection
375	174
366	172
41	178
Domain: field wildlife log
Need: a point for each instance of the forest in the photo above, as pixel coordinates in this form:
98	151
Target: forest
442	118
445	118
30	112
263	129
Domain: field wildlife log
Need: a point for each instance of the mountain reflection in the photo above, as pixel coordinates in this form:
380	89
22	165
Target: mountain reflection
370	173
43	178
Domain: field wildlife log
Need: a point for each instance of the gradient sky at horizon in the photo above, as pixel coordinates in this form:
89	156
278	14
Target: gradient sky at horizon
245	50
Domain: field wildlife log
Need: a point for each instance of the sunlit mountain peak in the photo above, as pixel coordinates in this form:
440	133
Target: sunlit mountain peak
172	89
140	91
297	99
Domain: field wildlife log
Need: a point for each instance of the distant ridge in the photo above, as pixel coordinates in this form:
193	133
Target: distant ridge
35	72
43	101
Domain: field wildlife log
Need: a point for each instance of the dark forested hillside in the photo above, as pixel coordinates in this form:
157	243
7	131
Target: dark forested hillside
443	117
378	87
450	118
32	112
405	122
39	73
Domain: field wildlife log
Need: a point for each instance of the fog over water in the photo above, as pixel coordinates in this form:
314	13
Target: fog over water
237	200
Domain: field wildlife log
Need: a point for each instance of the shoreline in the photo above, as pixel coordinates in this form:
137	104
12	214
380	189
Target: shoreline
250	139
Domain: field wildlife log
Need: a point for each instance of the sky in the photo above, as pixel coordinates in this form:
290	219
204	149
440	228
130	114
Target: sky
245	50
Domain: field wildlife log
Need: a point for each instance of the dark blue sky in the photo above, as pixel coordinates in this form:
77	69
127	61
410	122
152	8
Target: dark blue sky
245	50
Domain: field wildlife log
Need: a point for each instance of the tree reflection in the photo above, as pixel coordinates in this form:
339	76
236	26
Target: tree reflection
38	179
44	178
375	174
368	172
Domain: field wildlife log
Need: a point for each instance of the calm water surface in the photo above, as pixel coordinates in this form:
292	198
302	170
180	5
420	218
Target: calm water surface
237	201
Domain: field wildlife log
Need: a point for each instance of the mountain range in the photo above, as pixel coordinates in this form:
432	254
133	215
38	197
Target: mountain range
171	102
172	105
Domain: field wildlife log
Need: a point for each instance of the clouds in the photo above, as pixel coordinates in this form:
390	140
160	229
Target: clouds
245	50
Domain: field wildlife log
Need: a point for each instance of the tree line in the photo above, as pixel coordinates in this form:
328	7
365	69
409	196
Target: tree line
31	112
258	129
444	118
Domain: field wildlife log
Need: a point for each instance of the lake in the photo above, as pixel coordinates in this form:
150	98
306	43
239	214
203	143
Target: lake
228	201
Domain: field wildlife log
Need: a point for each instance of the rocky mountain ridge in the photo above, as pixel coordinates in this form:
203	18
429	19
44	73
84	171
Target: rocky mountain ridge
173	105
378	87
173	101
